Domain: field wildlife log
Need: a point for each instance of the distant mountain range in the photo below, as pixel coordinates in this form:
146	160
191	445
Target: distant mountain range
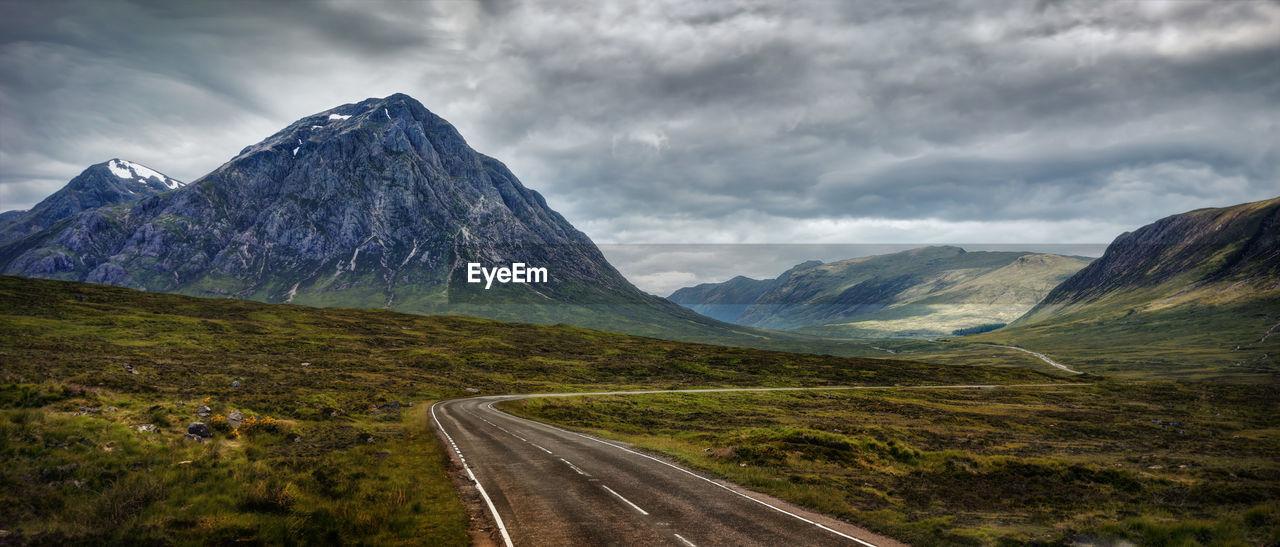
107	183
375	204
1195	294
926	292
729	300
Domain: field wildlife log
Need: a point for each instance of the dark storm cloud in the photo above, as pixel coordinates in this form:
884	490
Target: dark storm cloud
703	122
908	112
179	86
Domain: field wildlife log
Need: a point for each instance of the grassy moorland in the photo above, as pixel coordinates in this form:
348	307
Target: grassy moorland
340	462
1231	344
1236	341
1153	463
79	477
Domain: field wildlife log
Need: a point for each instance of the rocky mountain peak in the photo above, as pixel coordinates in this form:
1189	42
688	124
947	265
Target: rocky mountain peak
379	203
103	184
397	121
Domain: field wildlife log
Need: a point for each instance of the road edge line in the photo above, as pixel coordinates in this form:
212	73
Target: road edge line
691	473
506	538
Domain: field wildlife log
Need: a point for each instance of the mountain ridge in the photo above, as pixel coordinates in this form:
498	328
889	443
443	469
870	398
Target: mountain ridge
928	291
1187	244
1193	294
102	184
727	300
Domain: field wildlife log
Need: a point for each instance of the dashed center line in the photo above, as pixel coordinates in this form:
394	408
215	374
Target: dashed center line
683	540
686	471
574	467
625	500
507	538
504	430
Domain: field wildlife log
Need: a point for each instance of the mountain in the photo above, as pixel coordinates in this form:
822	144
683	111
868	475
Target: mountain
1196	292
928	292
102	184
1226	254
375	204
728	300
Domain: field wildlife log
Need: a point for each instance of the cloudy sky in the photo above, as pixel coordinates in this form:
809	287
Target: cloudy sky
706	123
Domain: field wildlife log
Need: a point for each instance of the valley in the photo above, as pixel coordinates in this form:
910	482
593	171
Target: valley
1191	296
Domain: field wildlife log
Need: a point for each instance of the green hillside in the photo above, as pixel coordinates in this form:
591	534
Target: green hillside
963	299
1194	294
920	293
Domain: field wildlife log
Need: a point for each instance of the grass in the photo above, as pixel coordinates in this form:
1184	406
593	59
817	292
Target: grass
1154	463
1196	341
95	479
84	334
340	464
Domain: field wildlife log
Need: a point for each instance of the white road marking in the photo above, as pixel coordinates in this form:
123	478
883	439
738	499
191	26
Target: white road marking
742	389
504	430
685	541
625	500
574	467
506	538
540	448
700	477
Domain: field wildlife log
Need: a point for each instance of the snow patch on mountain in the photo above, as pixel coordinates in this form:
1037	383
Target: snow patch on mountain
118	169
129	170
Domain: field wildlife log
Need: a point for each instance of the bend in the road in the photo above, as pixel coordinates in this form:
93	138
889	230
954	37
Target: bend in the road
1042	357
588	507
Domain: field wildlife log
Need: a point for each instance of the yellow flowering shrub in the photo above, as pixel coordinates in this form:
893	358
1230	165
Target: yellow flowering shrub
220	423
256	424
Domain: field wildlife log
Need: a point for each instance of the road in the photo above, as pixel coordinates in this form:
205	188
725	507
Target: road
1042	357
549	486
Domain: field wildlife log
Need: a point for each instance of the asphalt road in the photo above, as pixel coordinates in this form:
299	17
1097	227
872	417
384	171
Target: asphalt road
550	486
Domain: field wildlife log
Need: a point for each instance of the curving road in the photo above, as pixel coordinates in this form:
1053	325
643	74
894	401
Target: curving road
1042	357
549	486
